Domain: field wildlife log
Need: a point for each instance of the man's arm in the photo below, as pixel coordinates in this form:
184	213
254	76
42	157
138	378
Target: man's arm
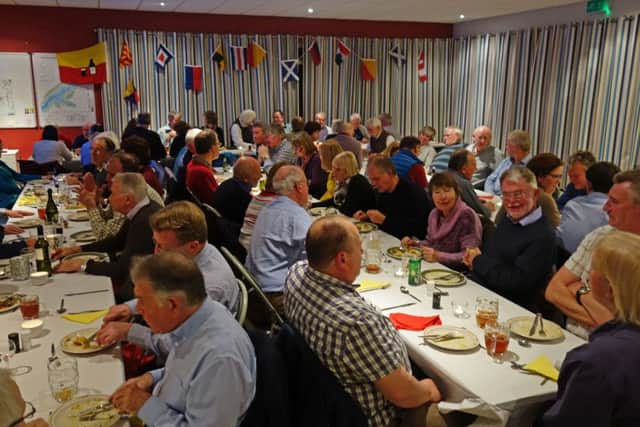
405	391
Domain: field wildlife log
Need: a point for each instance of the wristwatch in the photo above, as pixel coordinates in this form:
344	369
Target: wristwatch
583	290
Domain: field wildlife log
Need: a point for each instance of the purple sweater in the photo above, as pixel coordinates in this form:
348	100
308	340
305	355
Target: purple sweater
452	235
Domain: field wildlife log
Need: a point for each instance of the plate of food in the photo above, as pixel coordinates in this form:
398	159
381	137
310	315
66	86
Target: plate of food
365	227
321	211
82	341
397	251
444	277
9	302
28	222
39	182
81	215
88	256
521	326
72	206
87	411
450	338
84	236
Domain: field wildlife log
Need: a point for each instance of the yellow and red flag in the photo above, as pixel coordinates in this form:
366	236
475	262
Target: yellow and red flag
125	55
84	66
368	69
255	54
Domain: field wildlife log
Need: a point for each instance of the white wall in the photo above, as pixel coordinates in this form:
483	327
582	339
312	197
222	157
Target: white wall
540	18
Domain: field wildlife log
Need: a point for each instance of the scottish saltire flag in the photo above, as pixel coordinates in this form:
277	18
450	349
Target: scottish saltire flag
314	50
131	95
289	70
397	55
193	77
239	58
422	69
342	50
163	56
218	57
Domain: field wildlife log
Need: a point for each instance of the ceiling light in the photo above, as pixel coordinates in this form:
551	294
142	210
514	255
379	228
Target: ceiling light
461	16
310	10
162	3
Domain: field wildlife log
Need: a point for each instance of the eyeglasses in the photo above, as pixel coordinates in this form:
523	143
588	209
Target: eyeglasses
556	176
29	410
516	195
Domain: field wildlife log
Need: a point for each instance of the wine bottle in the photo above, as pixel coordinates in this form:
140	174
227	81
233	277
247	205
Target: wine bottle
51	211
43	263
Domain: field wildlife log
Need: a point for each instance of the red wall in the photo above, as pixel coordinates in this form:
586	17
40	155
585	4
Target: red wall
47	29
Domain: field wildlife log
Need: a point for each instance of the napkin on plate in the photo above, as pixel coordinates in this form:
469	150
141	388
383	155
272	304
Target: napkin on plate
86	317
413	323
543	366
371	285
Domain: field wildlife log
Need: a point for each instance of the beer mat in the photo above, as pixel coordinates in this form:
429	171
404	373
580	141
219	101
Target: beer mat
413	323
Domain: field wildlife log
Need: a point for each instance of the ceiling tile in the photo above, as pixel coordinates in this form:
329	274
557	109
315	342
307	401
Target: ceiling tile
119	4
36	2
78	3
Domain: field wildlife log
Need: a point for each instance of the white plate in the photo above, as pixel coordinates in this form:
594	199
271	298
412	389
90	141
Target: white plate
28	223
84	236
79	216
365	227
88	256
68	346
321	211
64	415
522	325
453	278
469	340
12	307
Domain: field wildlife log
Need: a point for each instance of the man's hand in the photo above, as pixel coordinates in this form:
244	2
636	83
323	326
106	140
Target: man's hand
113	332
12	229
376	216
88	182
17	213
360	215
469	256
429	254
263	152
87	198
70	266
63	252
118	313
433	389
133	394
38	422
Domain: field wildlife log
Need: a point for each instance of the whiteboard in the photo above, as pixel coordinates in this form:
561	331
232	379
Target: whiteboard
16	91
60	104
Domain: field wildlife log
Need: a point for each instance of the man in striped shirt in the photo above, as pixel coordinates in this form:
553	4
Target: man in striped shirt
350	337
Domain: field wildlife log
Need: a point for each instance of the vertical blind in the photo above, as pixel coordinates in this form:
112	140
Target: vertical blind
571	86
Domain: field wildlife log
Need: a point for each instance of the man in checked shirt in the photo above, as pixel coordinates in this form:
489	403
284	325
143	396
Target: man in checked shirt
350	337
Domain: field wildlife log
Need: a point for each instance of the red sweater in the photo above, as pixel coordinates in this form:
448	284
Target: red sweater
201	181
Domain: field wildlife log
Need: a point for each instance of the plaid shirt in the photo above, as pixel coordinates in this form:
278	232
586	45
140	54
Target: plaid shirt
349	336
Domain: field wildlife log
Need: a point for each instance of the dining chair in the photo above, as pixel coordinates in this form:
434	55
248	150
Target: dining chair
243	302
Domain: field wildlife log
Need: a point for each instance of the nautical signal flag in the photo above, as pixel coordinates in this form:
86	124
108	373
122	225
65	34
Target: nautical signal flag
368	69
239	58
342	50
218	57
84	66
314	50
397	55
163	56
422	69
289	70
193	77
125	55
255	54
131	95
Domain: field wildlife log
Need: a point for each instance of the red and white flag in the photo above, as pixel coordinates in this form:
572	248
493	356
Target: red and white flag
422	69
239	58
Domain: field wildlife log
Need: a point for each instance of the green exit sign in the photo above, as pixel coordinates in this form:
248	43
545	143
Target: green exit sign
598	6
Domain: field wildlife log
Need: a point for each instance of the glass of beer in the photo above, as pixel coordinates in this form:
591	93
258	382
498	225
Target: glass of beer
30	307
373	261
63	378
486	310
496	339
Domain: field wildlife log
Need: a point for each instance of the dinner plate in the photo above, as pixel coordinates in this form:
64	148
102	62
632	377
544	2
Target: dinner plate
444	277
79	216
73	206
9	302
321	211
522	325
365	227
70	344
66	415
28	222
84	236
467	341
39	182
88	256
397	252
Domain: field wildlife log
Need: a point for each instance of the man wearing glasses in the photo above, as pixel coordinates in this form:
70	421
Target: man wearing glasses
14	411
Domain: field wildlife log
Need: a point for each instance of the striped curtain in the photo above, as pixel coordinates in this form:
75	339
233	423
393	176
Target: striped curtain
571	86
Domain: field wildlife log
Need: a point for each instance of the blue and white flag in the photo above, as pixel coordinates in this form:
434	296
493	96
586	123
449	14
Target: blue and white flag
239	58
163	56
289	70
397	55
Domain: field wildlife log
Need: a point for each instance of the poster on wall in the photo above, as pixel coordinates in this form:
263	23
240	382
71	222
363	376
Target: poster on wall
17	108
60	104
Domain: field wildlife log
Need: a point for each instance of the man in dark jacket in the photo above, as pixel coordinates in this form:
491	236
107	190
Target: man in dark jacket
234	195
158	152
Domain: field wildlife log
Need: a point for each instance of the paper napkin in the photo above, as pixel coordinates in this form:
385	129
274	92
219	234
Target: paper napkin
543	366
371	285
413	323
85	317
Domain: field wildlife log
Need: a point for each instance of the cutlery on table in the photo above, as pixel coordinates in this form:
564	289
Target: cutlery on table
542	332
397	306
53	353
532	331
443	337
61	309
85	293
404	290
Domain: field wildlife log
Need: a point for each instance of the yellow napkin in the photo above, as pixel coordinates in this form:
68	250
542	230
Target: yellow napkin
85	317
543	366
370	285
26	199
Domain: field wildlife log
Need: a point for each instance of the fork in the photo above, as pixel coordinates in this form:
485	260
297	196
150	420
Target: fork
542	332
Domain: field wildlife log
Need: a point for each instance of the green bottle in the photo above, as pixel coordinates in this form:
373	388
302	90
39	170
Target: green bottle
51	211
43	262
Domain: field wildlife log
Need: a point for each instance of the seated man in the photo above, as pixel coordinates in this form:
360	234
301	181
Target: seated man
462	166
402	207
518	153
426	153
344	136
578	163
583	214
322	304
13	409
181	228
102	148
277	149
518	259
11	183
569	288
129	197
278	237
378	138
488	157
233	196
210	375
156	148
453	142
200	179
407	164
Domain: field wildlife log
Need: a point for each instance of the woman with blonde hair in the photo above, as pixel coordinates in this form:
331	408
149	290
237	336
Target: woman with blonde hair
328	150
599	381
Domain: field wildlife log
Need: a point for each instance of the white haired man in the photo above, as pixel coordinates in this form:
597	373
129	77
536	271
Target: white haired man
518	153
321	119
453	142
488	157
378	137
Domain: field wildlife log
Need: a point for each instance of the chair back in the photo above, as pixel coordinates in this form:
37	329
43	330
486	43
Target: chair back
488	228
33	168
243	303
193	198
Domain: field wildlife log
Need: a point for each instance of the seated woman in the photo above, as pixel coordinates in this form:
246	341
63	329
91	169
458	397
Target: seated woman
352	192
49	148
328	151
242	130
309	161
599	380
181	128
453	226
11	183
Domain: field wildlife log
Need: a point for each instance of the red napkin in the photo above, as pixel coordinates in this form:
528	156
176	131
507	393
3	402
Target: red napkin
413	323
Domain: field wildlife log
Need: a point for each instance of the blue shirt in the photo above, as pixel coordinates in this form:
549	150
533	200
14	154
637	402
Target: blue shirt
177	164
277	242
580	216
569	193
47	150
282	153
210	375
85	154
9	188
492	184
441	160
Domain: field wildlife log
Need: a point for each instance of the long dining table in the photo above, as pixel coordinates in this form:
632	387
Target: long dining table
99	373
470	381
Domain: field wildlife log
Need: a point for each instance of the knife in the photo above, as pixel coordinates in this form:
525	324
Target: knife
398	306
534	325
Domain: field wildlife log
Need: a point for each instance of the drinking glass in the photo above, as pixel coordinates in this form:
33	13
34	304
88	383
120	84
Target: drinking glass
30	254
7	350
63	378
496	339
486	310
403	265
30	307
373	263
459	308
20	267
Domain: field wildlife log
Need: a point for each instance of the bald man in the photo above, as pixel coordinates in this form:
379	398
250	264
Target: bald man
234	195
487	156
